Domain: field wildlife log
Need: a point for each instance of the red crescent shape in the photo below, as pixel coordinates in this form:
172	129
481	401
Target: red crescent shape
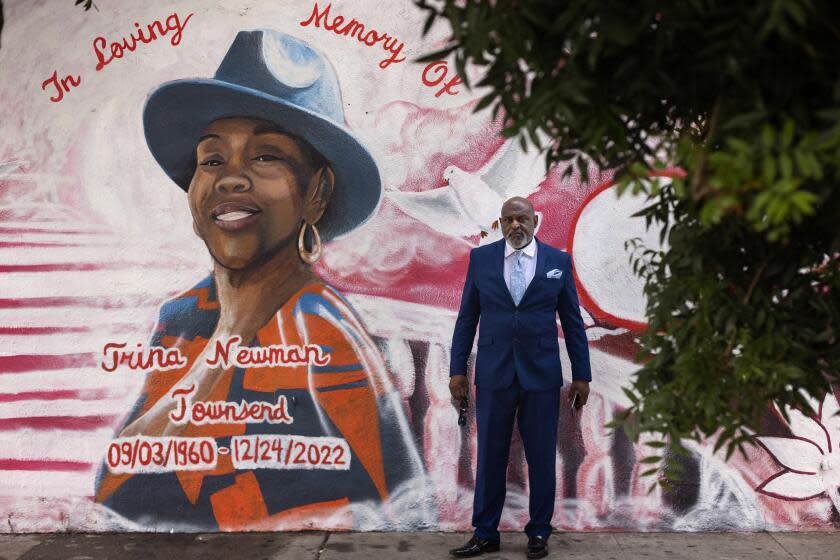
585	297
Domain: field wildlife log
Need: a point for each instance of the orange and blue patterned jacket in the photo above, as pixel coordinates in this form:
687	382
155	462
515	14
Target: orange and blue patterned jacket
345	398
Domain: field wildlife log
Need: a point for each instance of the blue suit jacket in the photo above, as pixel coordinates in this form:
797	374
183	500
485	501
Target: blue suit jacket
521	339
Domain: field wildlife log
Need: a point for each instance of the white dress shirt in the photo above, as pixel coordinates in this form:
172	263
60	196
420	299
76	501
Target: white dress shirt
529	261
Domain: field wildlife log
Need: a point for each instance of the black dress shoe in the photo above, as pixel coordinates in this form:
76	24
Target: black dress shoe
537	547
474	547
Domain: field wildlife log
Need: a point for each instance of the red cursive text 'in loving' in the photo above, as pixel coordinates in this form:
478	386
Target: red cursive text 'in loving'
107	52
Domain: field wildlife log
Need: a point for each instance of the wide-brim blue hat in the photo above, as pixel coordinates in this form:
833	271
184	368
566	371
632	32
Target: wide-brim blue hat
272	76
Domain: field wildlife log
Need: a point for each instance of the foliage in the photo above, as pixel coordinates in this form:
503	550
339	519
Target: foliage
88	4
744	96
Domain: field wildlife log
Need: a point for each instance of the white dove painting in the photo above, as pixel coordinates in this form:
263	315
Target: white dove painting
470	203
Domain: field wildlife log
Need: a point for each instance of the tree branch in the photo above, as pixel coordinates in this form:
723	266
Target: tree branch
746	300
1	20
698	189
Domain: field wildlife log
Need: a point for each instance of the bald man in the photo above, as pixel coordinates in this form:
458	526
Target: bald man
517	286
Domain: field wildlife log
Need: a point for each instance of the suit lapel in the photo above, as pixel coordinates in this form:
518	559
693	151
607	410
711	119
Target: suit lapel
539	271
499	272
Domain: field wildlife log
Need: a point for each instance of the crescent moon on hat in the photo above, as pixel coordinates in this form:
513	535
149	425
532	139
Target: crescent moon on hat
292	62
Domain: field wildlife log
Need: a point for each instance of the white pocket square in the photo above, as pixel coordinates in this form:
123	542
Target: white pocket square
555	273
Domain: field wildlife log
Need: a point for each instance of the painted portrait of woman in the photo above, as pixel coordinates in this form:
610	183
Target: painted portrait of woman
271	174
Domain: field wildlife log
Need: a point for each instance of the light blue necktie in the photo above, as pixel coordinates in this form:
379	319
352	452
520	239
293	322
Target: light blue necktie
517	278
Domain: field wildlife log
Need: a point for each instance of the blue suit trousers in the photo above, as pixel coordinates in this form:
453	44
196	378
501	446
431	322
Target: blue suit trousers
537	413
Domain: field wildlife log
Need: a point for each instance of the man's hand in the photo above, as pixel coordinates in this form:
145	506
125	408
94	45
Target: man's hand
458	387
579	388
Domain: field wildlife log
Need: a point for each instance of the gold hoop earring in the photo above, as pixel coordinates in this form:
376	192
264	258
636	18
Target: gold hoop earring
309	257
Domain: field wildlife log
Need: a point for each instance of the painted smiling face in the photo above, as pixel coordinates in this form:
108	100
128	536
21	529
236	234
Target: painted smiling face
248	193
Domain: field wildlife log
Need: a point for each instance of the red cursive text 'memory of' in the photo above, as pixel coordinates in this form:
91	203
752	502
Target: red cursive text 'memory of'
435	72
356	29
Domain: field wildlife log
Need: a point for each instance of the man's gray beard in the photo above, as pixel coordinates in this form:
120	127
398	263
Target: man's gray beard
517	247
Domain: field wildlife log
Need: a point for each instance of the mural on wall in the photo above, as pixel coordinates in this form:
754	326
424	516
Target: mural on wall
234	238
283	406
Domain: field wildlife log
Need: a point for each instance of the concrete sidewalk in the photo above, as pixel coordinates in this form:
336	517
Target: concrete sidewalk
416	546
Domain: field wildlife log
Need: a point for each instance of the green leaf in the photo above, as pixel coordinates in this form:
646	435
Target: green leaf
743	120
441	54
804	201
768	136
630	395
786	166
786	138
510	132
768	170
430	20
484	102
532	134
738	145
